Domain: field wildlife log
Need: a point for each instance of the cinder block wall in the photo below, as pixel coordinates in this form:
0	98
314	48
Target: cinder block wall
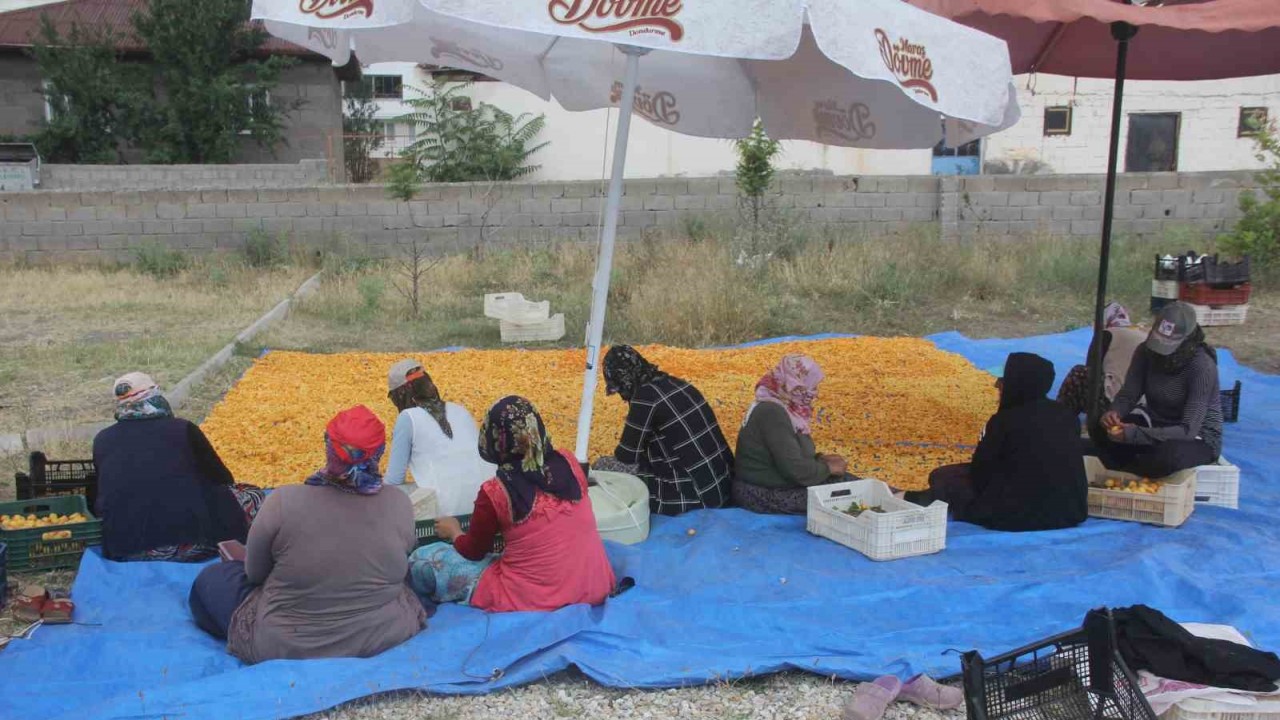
105	225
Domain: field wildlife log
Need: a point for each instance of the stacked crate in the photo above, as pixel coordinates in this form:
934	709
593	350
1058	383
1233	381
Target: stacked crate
1219	291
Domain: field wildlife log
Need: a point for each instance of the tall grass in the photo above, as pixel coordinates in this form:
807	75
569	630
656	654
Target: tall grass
704	292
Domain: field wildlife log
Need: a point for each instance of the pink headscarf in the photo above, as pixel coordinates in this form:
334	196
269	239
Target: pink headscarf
793	384
1115	316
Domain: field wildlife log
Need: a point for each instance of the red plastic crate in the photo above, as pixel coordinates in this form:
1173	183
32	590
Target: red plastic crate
1202	294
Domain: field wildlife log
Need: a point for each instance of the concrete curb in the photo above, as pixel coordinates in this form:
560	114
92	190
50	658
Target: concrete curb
36	438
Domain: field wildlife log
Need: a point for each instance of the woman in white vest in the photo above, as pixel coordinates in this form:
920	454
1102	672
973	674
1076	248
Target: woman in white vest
435	442
1119	341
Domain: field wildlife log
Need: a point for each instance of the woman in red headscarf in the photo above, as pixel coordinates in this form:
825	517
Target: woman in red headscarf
324	570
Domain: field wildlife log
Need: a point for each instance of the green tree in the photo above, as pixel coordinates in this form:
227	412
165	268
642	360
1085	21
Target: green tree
1257	233
755	173
88	89
461	143
212	82
361	134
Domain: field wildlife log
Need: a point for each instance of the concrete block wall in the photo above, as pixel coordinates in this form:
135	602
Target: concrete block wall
53	226
67	178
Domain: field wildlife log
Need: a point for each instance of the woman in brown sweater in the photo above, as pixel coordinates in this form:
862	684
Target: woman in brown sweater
325	566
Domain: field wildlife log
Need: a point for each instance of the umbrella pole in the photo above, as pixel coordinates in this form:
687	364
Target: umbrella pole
604	264
1122	32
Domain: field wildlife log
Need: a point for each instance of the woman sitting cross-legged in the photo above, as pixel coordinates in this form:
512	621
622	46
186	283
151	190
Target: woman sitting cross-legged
325	568
1028	470
671	439
776	459
163	492
1168	415
553	556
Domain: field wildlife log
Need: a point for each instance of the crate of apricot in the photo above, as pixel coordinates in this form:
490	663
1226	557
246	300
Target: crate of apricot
48	533
1120	496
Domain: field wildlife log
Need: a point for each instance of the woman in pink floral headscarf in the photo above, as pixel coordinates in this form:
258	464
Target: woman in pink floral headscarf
776	460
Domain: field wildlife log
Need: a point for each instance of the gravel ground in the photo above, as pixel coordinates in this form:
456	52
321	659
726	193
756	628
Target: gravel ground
788	696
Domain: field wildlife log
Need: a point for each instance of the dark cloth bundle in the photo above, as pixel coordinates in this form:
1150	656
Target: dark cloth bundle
1149	640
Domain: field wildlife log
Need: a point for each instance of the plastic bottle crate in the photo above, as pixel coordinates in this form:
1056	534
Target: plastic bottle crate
45	478
426	532
1199	293
545	331
1074	676
1170	507
903	530
1231	404
27	548
1218	484
513	308
1219	316
1201	709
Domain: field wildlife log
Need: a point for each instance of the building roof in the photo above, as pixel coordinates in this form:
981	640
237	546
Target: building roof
19	28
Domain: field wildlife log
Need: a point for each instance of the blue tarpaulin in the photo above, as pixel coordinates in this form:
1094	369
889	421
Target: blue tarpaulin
744	595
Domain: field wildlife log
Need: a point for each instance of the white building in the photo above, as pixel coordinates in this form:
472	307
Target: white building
1179	126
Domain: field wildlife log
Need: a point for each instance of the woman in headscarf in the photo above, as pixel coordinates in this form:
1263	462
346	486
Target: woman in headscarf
671	439
777	461
1120	340
1028	470
163	492
324	571
1168	415
538	501
435	441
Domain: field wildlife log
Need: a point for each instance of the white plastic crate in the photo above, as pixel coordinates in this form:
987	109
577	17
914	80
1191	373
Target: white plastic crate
1267	708
513	308
545	331
1166	289
1217	316
1218	484
903	530
1170	507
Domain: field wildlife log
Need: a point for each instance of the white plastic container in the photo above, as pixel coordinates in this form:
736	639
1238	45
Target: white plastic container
1164	289
1219	316
903	530
1218	484
545	331
1199	709
513	308
1170	507
621	504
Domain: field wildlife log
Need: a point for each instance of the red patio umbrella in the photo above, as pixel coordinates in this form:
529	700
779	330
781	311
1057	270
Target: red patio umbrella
1153	39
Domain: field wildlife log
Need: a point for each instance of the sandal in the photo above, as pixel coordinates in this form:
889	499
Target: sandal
28	605
870	700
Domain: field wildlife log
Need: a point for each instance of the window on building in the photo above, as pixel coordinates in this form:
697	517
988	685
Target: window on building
970	149
384	87
1057	120
461	104
448	74
1253	120
256	101
49	111
1153	142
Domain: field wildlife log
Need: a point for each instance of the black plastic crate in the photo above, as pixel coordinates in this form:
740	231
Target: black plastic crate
1231	404
1074	676
1219	273
46	478
426	532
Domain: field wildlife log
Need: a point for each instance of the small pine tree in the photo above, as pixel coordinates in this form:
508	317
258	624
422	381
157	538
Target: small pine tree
360	134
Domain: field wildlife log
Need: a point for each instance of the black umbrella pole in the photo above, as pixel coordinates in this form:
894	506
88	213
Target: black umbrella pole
1122	32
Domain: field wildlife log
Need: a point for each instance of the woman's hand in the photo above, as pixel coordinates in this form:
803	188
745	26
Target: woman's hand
1118	432
1111	420
448	528
836	465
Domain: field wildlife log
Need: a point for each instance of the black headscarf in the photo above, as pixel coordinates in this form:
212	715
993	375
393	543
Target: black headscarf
1027	378
626	370
421	392
514	438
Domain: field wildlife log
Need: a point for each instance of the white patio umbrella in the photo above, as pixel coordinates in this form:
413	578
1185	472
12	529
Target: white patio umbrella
855	73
